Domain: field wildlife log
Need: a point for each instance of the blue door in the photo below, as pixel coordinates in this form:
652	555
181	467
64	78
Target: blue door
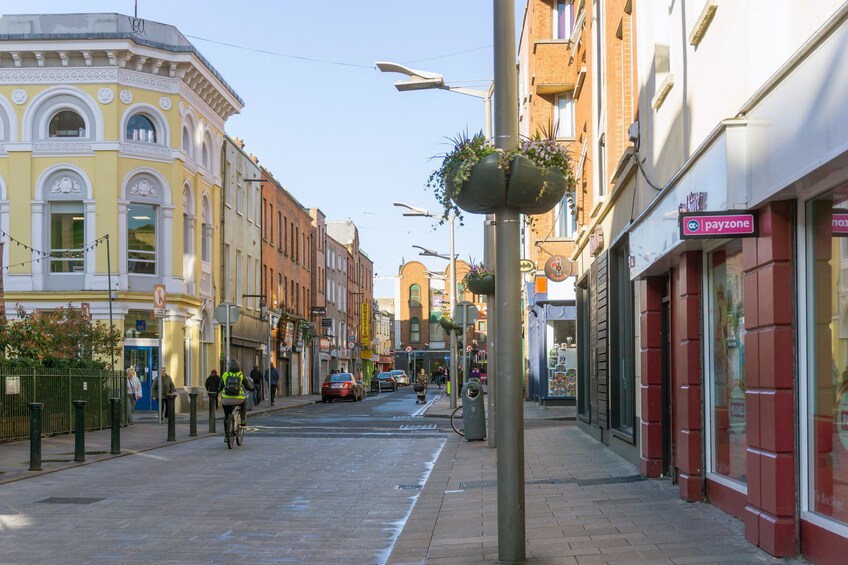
145	359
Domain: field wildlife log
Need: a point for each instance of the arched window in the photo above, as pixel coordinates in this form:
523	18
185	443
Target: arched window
414	330
66	123
415	295
141	239
206	242
206	153
187	142
141	128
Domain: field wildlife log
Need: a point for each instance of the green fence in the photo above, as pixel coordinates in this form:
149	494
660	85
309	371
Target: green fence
56	389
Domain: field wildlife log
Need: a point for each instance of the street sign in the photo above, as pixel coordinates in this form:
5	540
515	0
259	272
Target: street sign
408	349
527	266
159	298
326	322
460	310
351	345
221	313
318	310
86	310
468	348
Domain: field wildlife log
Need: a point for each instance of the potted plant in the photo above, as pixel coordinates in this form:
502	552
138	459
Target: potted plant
448	324
478	178
479	279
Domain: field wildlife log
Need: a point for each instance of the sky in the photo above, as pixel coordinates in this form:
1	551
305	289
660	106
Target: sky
322	118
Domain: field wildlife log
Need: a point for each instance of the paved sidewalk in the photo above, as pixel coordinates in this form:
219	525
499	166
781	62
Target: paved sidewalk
583	504
57	452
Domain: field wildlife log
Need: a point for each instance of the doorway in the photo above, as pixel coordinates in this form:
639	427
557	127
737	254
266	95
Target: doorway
145	359
665	353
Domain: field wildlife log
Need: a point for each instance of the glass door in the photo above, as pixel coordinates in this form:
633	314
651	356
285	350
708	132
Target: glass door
145	360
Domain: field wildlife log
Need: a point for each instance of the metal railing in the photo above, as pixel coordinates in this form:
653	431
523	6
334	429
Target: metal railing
56	389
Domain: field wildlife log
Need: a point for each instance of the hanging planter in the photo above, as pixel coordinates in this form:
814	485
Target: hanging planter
533	190
478	178
482	285
448	324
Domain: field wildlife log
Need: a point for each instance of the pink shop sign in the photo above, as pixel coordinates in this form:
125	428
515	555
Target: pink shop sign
839	223
717	225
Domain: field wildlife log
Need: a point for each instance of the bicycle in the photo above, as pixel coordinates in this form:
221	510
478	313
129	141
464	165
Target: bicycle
233	429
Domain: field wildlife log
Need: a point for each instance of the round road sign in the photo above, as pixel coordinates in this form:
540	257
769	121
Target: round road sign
408	349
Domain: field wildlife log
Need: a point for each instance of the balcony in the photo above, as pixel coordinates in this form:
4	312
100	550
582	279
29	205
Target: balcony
554	73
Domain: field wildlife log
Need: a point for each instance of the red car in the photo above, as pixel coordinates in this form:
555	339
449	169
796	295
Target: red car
341	385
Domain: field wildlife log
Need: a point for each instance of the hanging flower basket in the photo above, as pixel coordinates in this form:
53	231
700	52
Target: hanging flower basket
482	285
448	324
485	189
533	190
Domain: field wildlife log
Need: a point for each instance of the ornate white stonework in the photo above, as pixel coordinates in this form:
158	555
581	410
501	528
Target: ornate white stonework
186	200
219	139
182	107
144	187
57	75
165	103
19	96
76	147
126	96
65	185
147	150
105	95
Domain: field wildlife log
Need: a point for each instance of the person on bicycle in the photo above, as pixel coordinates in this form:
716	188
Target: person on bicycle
232	395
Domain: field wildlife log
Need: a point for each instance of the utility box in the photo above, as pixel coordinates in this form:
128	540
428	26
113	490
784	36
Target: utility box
473	411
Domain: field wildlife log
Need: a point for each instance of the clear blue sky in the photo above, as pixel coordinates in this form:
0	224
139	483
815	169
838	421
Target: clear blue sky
338	134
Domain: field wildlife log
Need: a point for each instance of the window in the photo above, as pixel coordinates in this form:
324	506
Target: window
141	239
622	380
565	116
563	19
186	142
414	295
584	408
67	237
239	277
726	363
141	128
827	357
66	123
566	218
414	330
206	155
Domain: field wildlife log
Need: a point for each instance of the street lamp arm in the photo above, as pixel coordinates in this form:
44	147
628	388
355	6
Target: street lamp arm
388	67
484	94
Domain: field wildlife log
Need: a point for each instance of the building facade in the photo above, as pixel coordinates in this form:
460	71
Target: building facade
318	313
341	356
117	137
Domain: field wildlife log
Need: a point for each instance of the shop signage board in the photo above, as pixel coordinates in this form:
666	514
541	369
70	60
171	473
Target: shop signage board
557	268
839	222
318	310
526	266
159	300
717	225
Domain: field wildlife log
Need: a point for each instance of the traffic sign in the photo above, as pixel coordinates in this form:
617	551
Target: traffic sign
409	349
468	348
459	313
351	344
159	300
221	313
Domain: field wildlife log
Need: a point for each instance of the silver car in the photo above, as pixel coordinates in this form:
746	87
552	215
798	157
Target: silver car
401	377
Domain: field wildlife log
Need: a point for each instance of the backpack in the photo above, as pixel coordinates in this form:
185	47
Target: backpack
232	384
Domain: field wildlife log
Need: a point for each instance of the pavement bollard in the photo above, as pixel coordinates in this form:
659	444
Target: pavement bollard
213	403
192	404
116	425
35	436
172	418
79	430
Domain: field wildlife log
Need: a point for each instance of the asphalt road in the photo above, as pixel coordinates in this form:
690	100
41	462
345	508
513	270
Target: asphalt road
326	483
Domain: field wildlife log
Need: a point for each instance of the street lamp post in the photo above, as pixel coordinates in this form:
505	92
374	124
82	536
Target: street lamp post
414	211
425	80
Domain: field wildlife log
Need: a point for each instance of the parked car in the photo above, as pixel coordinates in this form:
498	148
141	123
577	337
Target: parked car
342	385
401	377
384	380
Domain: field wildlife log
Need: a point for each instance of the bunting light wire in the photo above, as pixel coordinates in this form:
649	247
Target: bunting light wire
45	254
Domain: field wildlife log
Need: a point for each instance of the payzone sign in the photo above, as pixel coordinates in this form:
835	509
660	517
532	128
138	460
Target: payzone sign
717	225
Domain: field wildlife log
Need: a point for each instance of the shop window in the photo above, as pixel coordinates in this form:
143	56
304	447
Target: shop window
583	351
622	381
66	123
67	237
827	357
726	363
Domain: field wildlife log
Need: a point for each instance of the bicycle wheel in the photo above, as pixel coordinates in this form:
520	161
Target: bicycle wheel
229	431
239	431
453	421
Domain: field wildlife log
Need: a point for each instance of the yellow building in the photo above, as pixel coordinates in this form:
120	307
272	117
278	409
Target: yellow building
111	127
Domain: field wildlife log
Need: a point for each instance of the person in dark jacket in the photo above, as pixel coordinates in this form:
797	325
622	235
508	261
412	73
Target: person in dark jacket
256	377
274	379
213	384
168	389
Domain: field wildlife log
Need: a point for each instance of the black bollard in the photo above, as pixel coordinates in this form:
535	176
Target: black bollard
172	418
192	408
213	403
116	425
79	430
35	436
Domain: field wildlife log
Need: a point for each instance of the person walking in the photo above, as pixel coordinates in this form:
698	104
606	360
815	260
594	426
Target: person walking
274	379
213	384
256	377
168	389
133	393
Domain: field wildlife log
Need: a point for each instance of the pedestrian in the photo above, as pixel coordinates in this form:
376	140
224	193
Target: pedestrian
133	393
256	377
168	389
213	384
272	385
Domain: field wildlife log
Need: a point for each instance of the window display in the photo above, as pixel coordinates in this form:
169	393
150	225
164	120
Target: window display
727	362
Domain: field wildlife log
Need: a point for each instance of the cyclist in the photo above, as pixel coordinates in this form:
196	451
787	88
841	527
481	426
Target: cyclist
232	396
